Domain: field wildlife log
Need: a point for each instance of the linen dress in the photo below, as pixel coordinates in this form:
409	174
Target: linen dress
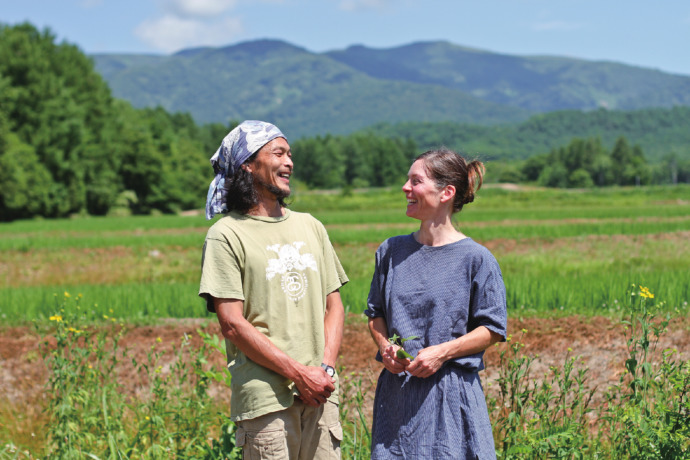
437	293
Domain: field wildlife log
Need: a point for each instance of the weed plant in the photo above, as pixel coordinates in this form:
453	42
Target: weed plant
356	443
645	416
90	414
648	414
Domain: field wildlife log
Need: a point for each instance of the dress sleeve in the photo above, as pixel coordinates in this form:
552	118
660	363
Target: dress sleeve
488	298
375	300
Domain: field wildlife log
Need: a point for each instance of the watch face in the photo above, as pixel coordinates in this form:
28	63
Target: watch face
330	371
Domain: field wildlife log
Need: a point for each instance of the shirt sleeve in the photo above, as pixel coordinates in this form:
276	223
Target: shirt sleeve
336	277
221	272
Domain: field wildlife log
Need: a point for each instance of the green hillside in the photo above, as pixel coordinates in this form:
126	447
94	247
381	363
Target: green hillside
343	91
535	83
659	132
303	92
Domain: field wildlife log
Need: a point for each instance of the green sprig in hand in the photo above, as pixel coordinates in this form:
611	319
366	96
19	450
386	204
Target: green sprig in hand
399	341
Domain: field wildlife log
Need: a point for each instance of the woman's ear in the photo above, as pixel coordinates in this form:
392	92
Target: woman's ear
448	193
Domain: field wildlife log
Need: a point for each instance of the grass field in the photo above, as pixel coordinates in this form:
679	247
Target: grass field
104	394
561	251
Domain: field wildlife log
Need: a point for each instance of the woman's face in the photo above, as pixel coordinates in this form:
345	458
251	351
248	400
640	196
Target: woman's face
423	196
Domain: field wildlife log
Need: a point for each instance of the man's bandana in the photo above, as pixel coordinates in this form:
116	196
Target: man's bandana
240	144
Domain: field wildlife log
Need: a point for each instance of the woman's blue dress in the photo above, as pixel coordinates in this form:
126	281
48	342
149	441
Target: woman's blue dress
437	293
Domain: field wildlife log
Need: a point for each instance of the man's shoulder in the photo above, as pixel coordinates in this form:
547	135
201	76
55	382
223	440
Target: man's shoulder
305	218
225	224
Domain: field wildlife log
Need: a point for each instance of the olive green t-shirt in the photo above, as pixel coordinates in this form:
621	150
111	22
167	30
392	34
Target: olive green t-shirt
282	268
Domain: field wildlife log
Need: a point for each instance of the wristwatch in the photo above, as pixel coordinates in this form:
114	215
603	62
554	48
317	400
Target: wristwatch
329	369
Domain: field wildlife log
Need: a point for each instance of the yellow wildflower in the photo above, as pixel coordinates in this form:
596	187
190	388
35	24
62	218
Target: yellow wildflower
71	329
159	340
57	318
67	294
644	292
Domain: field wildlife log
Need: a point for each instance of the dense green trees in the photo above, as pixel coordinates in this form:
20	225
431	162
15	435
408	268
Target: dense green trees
586	163
659	132
67	146
359	160
54	106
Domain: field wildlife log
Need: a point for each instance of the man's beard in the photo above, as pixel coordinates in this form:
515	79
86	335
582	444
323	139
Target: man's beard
273	189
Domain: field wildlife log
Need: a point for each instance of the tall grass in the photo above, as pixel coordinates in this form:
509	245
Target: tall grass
561	251
135	302
644	416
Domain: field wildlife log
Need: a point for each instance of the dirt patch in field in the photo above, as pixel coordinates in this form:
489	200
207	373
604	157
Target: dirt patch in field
599	342
581	244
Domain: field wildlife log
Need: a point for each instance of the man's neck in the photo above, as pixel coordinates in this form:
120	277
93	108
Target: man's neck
267	208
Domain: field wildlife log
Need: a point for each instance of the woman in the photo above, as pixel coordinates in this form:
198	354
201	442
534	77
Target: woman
445	293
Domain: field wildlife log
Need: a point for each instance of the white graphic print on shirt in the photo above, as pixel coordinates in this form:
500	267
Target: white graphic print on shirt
290	264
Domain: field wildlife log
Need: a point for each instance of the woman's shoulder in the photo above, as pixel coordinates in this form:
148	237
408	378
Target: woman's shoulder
478	253
395	243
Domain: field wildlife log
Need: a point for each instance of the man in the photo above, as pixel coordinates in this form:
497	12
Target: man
272	277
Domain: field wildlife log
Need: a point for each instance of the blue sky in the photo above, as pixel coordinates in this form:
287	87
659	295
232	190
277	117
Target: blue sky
638	32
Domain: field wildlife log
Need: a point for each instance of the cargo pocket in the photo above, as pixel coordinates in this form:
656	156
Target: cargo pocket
262	445
336	431
239	437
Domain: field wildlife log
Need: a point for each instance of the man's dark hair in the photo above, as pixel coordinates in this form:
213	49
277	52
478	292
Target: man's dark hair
241	190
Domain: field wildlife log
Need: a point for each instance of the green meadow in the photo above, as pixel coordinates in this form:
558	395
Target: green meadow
562	252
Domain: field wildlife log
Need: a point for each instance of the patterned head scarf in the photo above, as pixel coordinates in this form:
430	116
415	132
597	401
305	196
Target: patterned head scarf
240	143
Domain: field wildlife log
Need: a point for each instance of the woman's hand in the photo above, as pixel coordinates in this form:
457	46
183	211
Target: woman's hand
428	361
391	361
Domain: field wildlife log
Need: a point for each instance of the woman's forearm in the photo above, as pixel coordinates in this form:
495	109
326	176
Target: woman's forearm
477	340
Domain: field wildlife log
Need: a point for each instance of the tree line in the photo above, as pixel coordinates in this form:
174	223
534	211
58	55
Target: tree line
68	146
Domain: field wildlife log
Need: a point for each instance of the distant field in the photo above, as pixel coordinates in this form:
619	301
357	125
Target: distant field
561	252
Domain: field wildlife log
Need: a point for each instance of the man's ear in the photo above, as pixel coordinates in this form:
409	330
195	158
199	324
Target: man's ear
448	193
247	167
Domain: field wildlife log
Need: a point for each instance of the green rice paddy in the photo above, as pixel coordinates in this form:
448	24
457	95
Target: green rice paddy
562	252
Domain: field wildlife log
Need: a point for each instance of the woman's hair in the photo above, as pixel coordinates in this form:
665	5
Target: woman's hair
240	190
446	167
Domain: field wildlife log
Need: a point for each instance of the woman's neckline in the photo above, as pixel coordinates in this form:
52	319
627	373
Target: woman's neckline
422	245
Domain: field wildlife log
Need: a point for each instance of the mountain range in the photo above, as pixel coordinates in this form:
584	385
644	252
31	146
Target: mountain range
338	92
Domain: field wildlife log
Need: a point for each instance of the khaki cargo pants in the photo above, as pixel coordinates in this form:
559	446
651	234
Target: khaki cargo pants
300	432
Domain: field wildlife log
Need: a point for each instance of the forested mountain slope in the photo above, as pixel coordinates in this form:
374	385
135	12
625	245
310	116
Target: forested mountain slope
304	93
342	91
535	83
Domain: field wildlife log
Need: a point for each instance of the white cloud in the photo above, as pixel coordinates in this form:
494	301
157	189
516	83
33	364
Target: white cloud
197	8
171	33
190	23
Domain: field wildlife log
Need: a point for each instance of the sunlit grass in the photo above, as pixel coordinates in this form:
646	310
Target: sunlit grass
561	252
